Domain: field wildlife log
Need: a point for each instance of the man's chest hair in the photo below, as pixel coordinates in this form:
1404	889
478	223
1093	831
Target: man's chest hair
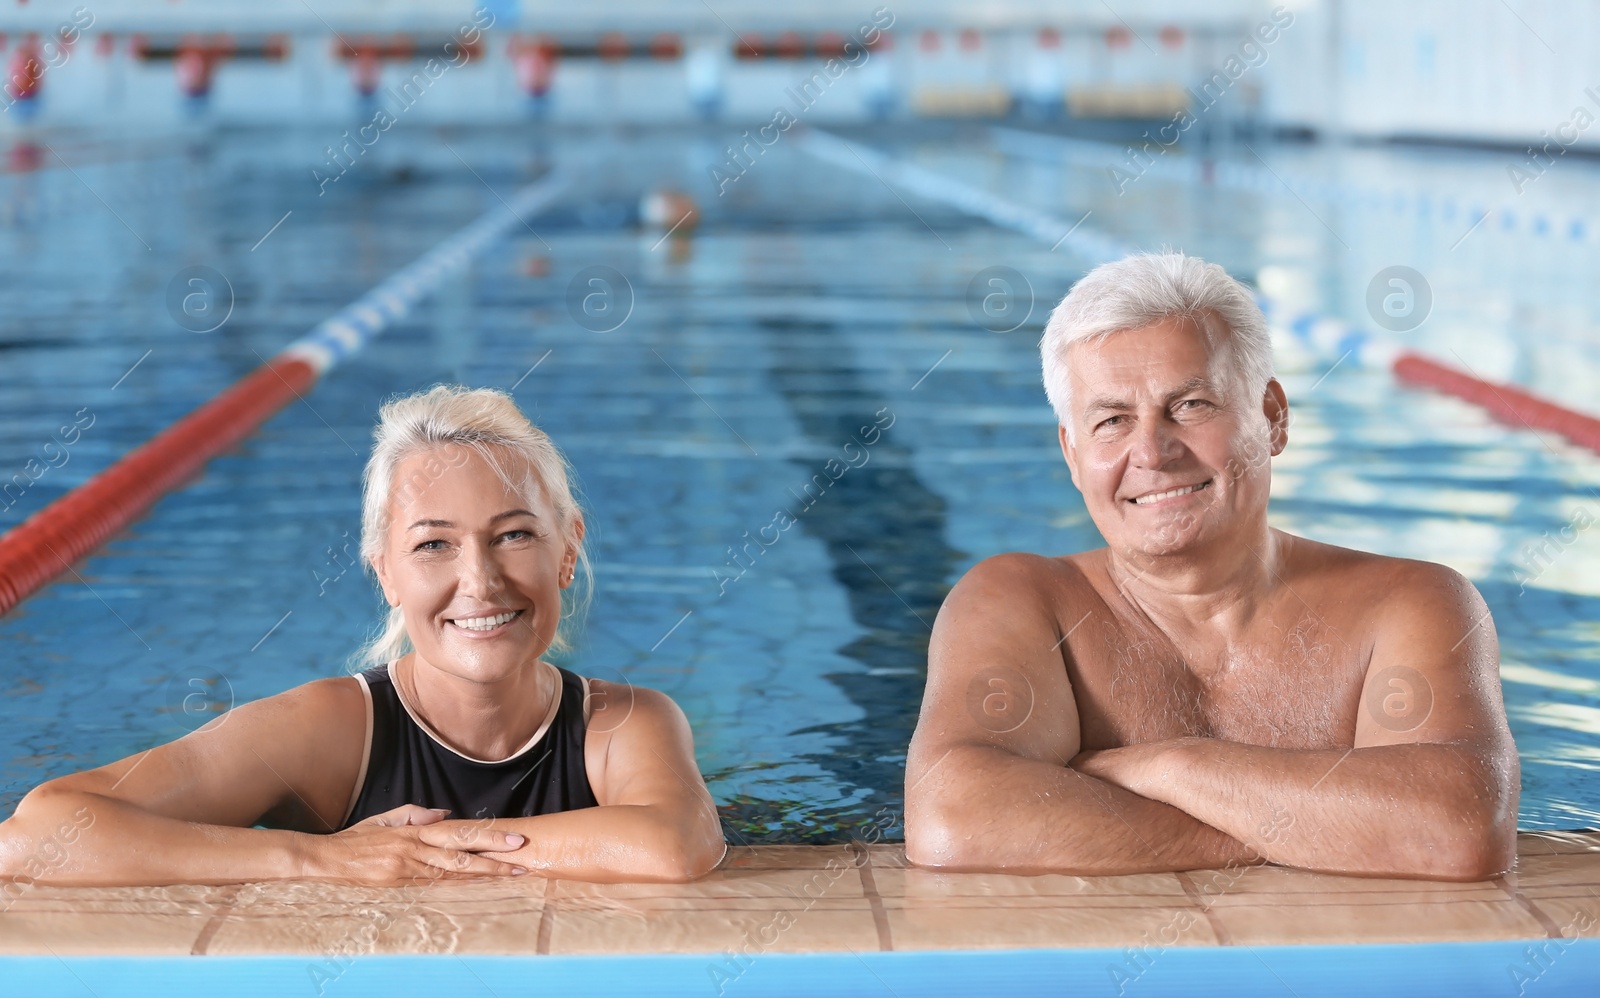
1294	687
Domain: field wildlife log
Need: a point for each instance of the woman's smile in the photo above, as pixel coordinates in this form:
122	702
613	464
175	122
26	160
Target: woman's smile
492	625
485	626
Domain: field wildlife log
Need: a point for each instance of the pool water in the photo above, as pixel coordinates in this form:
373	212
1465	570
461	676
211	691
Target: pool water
809	303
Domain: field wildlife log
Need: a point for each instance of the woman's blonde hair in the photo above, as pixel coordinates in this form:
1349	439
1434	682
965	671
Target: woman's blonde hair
459	421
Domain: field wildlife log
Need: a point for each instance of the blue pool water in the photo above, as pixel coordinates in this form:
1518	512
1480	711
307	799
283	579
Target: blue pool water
810	301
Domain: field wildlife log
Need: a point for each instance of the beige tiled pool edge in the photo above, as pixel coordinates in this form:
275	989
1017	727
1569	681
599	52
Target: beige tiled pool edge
815	898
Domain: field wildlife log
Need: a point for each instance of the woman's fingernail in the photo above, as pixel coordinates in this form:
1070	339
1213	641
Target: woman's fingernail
514	839
517	871
439	810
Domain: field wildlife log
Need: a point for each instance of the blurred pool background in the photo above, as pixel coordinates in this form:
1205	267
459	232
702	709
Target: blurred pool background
807	302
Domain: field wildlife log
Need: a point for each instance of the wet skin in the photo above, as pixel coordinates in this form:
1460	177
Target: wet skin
1206	690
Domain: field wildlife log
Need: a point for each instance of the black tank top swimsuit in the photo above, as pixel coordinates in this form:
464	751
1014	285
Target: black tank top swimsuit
407	764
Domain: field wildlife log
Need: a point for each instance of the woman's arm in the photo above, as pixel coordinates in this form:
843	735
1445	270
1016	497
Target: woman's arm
181	812
656	820
61	835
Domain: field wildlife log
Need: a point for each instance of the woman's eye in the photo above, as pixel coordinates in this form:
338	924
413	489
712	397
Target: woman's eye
424	546
516	534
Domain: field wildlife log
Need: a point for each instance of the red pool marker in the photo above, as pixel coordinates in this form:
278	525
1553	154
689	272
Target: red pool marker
534	61
1507	402
26	70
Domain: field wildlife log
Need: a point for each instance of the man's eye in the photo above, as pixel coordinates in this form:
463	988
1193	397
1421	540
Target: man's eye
1109	421
1194	402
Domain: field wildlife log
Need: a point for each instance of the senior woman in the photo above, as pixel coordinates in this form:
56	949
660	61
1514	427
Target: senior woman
460	752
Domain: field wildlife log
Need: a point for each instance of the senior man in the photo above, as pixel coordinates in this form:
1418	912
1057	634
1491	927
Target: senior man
1205	690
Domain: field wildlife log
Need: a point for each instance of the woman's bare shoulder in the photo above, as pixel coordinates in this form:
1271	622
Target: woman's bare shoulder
613	703
333	704
326	722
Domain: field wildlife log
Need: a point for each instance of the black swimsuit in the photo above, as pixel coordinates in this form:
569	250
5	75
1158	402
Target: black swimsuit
407	764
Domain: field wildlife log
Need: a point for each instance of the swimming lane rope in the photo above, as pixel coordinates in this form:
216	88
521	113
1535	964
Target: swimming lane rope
1322	334
46	544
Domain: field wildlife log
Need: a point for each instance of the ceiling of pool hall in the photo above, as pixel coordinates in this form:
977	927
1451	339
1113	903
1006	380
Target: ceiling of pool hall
682	15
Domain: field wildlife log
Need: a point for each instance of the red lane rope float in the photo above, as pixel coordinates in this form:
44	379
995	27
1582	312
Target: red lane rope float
1509	403
47	544
77	523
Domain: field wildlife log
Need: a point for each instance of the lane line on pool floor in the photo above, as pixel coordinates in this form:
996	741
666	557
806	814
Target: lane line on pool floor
1322	334
49	542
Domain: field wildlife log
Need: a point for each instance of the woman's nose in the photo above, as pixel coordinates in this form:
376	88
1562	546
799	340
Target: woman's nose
480	571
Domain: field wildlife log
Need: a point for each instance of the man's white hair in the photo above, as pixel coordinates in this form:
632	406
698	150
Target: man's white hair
1147	288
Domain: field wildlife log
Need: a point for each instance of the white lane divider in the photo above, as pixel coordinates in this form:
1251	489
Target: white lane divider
1085	241
349	329
1324	335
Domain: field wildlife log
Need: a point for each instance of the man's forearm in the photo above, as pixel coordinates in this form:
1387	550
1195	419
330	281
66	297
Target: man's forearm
1425	810
994	811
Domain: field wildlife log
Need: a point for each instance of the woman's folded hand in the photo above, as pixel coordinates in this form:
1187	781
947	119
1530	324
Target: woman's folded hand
408	844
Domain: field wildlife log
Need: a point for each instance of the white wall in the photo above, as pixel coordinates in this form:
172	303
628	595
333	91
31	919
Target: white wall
1481	70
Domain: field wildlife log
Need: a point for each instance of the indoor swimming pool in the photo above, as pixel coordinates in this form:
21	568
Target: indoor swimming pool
732	364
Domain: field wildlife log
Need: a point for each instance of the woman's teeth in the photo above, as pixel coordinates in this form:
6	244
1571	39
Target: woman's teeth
1154	496
485	623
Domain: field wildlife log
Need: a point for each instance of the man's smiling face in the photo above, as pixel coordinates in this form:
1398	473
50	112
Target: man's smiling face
1169	448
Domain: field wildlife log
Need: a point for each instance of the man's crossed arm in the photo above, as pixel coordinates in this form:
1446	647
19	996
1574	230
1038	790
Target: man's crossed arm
995	778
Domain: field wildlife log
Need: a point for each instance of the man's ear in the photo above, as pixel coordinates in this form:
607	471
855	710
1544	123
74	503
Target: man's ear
1069	450
1275	406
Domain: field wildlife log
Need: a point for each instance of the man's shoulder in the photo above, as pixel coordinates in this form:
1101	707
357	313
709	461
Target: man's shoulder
1021	590
1388	581
1021	570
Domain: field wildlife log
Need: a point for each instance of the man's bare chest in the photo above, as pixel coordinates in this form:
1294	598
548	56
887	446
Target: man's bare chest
1295	686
